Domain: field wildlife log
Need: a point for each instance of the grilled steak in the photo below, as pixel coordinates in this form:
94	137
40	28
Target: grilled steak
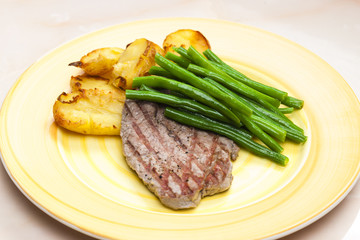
179	164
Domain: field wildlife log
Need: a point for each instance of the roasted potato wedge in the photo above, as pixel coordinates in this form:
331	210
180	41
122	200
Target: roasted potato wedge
99	61
95	102
93	107
185	38
137	59
86	82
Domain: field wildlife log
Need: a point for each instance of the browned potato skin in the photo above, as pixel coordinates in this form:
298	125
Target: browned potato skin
99	61
85	82
137	59
186	38
93	107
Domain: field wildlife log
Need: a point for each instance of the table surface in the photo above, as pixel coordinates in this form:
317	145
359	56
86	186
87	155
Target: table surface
29	29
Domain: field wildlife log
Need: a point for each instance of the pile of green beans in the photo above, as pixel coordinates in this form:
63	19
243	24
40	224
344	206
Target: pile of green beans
202	91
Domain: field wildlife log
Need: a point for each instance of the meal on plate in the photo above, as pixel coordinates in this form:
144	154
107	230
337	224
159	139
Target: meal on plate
181	111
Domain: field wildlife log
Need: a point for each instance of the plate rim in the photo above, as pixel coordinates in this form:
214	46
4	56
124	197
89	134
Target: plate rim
292	229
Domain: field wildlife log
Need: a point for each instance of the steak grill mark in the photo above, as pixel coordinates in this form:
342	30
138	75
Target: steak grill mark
174	160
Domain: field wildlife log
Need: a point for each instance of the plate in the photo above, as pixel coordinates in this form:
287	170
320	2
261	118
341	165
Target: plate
84	182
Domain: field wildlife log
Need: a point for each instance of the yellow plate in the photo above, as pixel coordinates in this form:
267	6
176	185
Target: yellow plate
84	182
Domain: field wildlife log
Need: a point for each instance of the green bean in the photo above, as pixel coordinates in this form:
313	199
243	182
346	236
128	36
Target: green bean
291	133
144	87
283	120
218	115
286	110
271	91
183	52
278	112
259	133
252	127
240	98
246	143
174	101
293	102
295	136
199	83
269	127
211	116
188	90
177	94
200	60
182	62
239	130
159	71
213	57
236	86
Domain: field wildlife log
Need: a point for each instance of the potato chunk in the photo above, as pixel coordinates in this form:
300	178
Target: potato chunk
137	59
86	82
99	61
93	107
96	100
185	38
